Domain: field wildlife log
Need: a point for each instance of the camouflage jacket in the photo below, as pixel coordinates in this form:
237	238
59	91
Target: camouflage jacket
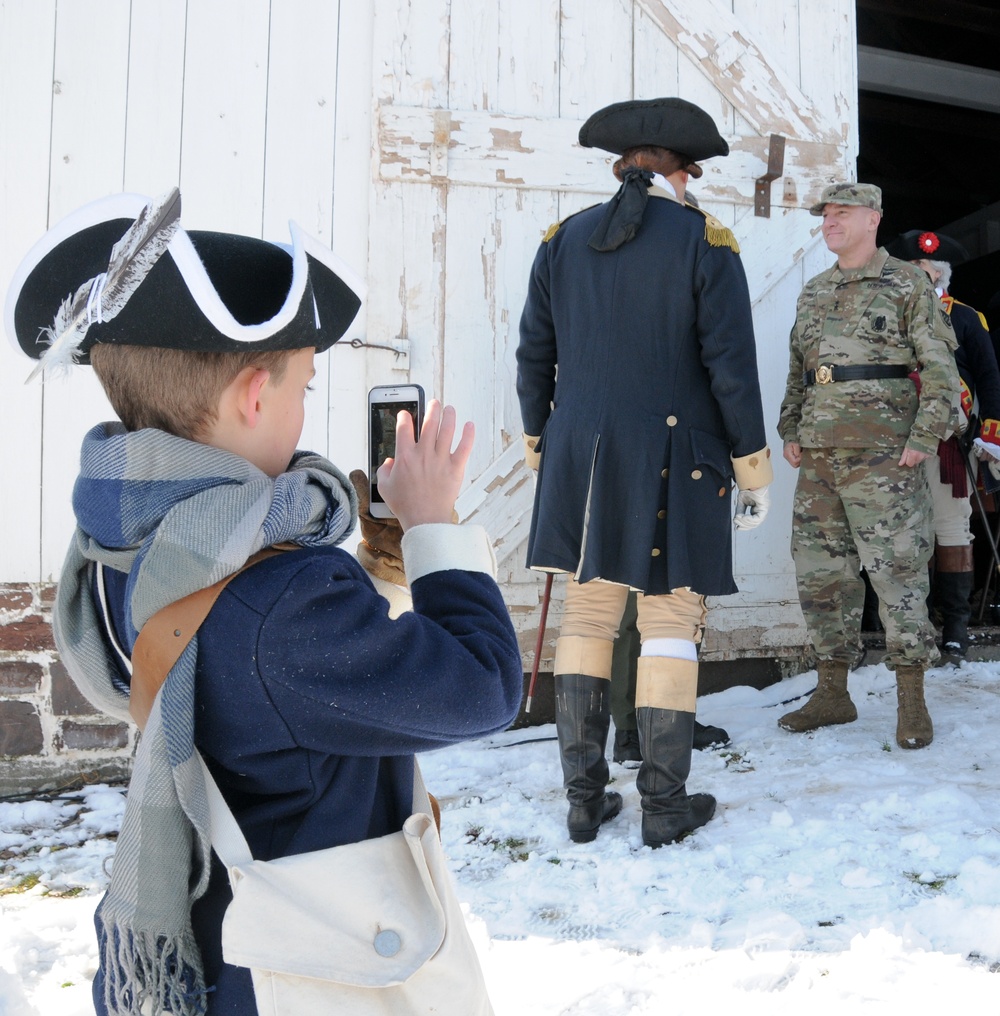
886	313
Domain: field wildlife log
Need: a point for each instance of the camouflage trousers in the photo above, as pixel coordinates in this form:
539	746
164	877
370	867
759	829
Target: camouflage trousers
858	507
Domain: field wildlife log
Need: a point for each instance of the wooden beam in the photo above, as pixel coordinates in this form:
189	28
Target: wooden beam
921	77
763	93
485	149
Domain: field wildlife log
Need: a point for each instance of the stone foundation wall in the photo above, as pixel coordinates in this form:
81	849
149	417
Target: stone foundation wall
50	735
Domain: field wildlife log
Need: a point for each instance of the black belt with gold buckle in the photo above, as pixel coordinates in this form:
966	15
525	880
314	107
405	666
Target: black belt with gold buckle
827	372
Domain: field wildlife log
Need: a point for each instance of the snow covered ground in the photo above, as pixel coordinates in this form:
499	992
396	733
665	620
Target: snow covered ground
840	875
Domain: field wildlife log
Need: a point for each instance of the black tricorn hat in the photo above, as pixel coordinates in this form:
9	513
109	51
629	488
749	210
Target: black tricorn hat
122	270
918	244
670	123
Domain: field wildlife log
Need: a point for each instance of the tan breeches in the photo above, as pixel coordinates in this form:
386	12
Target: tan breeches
591	618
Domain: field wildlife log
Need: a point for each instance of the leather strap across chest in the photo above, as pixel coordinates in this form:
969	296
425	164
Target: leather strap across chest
166	634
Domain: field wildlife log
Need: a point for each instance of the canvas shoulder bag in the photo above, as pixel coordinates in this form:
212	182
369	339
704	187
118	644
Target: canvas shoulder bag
370	929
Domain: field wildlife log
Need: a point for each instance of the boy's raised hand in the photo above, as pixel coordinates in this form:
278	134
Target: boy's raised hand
421	483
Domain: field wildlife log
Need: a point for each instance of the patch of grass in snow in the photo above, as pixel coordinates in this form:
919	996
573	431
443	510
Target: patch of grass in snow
27	882
65	894
512	846
934	884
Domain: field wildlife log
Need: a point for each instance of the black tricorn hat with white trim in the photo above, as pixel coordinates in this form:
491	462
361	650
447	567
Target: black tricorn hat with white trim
122	270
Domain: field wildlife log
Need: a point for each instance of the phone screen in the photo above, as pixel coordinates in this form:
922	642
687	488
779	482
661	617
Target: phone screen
383	435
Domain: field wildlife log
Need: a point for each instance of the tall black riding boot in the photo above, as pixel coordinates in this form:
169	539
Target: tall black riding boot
668	811
953	585
582	721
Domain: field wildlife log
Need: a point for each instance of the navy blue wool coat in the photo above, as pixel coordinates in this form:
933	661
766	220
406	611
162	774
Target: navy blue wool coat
657	387
975	358
310	703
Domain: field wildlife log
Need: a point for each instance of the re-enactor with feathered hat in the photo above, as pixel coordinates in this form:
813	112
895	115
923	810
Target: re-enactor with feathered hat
304	696
637	376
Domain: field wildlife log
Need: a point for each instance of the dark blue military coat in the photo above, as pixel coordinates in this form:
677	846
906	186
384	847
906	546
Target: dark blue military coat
975	358
310	703
657	387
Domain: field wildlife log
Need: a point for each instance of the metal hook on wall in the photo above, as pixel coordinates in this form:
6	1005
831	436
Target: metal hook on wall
775	167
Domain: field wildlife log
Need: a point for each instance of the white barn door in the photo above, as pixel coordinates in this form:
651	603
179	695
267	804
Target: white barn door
478	106
259	111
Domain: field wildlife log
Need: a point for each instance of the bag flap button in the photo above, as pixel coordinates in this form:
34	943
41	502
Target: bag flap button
388	943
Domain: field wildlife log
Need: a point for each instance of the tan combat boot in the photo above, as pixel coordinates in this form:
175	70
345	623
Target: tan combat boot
913	723
829	704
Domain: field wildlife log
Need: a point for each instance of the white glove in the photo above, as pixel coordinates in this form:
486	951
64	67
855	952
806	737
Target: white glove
751	508
985	451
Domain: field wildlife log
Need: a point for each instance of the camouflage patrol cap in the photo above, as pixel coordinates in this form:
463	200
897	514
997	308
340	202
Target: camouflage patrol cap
867	195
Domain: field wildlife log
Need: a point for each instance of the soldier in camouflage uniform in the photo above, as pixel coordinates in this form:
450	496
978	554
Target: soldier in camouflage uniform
856	420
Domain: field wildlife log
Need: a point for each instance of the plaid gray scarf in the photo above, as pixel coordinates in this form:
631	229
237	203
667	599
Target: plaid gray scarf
176	516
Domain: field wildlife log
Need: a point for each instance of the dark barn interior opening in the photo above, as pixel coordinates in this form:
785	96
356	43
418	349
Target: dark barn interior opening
929	117
929	134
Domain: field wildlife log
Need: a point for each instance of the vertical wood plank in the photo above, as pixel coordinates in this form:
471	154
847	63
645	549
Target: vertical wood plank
155	97
301	105
474	54
88	145
529	66
225	105
655	59
26	74
407	237
352	186
596	60
829	69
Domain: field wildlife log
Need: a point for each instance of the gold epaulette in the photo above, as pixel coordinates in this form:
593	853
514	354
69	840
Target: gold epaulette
949	301
716	233
554	228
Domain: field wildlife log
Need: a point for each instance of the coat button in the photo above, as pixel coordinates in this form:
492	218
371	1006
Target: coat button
695	474
387	943
722	492
661	514
671	421
656	552
663	473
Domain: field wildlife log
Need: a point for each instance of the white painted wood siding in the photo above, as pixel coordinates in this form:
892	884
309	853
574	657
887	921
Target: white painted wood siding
431	143
260	111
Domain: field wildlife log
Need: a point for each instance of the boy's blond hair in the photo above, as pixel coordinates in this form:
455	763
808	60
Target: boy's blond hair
176	390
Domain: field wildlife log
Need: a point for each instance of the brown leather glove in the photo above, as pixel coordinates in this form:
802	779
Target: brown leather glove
379	550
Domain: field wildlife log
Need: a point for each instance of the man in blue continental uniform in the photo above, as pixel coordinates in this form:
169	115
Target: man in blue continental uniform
947	474
641	306
856	421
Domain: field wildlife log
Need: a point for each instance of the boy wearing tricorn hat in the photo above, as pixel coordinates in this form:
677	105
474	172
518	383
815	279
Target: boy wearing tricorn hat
948	474
857	421
306	700
637	377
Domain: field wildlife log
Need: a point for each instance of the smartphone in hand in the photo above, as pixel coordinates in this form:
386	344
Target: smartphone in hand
384	402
